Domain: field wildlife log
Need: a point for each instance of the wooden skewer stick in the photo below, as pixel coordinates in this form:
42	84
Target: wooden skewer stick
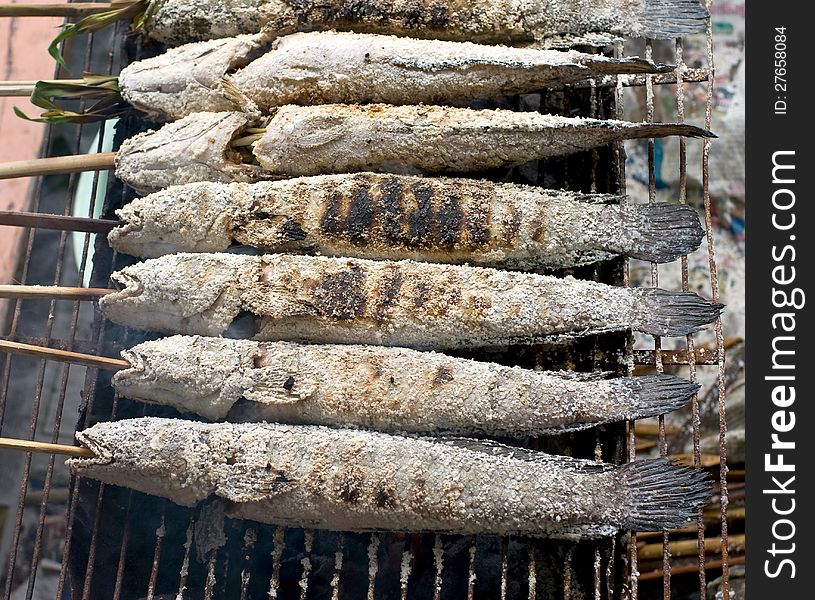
690	547
77	358
48	292
25	88
691	569
58	222
59	164
46	448
76	9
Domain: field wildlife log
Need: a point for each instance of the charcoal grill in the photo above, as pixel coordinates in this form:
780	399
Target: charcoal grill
122	544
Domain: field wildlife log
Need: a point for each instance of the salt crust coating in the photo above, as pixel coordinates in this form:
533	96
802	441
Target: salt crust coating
540	22
350	480
385	389
340	138
397	217
192	149
330	67
405	303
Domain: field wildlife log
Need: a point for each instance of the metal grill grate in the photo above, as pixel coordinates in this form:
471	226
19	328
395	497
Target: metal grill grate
122	544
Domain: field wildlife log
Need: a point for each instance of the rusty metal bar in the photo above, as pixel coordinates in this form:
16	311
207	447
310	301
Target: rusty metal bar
279	542
714	289
160	533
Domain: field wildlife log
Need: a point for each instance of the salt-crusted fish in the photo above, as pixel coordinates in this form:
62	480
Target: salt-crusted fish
350	480
396	217
384	389
543	22
406	303
250	72
341	138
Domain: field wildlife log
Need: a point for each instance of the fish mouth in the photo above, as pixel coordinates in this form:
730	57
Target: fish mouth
137	368
131	287
102	454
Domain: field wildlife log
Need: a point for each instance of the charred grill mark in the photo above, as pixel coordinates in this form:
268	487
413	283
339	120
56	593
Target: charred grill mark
292	230
449	221
350	491
444	374
360	215
339	295
385	497
331	220
350	478
420	220
511	226
421	294
439	16
390	287
391	209
478	221
363	10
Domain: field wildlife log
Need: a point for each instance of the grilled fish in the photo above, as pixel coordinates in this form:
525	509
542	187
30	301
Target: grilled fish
350	480
340	138
411	304
368	215
331	67
385	389
543	22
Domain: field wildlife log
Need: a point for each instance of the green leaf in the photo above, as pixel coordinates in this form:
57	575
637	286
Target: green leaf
95	22
103	88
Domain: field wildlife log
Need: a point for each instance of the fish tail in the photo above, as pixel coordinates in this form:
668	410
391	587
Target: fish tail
664	19
662	312
662	232
654	395
662	494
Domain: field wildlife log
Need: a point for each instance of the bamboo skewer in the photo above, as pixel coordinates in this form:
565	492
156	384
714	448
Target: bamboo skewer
25	88
49	292
76	9
57	165
691	569
57	222
46	448
88	360
689	547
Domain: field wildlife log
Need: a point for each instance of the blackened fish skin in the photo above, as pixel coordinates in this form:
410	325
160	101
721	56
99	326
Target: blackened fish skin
383	389
396	217
349	480
409	304
540	22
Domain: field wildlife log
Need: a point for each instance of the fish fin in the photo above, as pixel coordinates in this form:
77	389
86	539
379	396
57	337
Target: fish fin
657	394
565	41
254	484
662	312
578	376
492	448
660	130
270	231
662	494
665	19
661	232
629	65
596	198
